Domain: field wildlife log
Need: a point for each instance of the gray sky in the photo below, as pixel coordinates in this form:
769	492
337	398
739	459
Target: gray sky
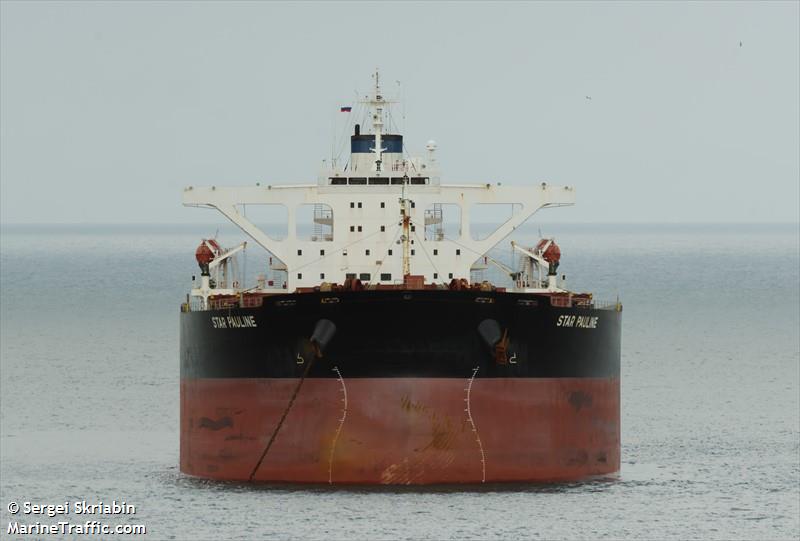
108	109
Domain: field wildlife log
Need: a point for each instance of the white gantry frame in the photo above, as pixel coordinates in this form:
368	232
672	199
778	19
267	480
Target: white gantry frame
367	227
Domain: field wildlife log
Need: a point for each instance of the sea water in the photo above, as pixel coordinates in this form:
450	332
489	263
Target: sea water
710	394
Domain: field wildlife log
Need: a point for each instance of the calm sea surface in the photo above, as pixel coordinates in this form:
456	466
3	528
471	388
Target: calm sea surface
710	394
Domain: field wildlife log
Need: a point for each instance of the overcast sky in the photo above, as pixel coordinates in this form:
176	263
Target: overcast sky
108	109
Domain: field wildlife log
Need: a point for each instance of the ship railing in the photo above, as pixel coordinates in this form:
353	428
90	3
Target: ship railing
236	302
254	301
607	305
603	305
195	304
568	301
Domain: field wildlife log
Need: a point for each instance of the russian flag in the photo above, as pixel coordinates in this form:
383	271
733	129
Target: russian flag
345	109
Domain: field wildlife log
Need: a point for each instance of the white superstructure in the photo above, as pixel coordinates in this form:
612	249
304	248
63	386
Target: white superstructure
358	209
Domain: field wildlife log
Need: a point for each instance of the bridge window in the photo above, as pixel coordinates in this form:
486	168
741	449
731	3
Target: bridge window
366	252
378	180
458	252
350	275
352	228
352	205
338	181
412	252
359	204
435	252
450	275
364	277
435	275
386	277
397	180
383	204
299	275
322	276
299	252
322	252
359	229
419	180
390	252
358	180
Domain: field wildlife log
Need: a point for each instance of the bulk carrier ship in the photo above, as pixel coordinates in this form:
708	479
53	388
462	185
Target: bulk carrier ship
372	358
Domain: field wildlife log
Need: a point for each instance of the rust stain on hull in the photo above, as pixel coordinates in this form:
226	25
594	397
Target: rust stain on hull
580	399
402	430
212	424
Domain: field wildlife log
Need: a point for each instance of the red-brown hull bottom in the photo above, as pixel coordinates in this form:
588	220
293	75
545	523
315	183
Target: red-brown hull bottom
401	430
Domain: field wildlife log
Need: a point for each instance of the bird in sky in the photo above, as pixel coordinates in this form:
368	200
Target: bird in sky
740	44
588	97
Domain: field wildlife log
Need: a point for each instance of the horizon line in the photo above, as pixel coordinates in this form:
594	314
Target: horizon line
655	222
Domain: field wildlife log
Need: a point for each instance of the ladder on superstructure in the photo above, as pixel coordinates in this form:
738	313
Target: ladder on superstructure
323	223
434	222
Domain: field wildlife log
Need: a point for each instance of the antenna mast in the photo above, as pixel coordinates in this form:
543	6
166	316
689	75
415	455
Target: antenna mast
377	103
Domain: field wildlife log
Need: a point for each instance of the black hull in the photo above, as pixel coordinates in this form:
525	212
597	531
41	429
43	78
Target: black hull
396	333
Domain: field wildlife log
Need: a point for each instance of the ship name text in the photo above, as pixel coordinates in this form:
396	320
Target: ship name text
233	322
580	322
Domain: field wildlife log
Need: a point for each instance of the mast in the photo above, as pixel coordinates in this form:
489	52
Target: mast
404	214
377	102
